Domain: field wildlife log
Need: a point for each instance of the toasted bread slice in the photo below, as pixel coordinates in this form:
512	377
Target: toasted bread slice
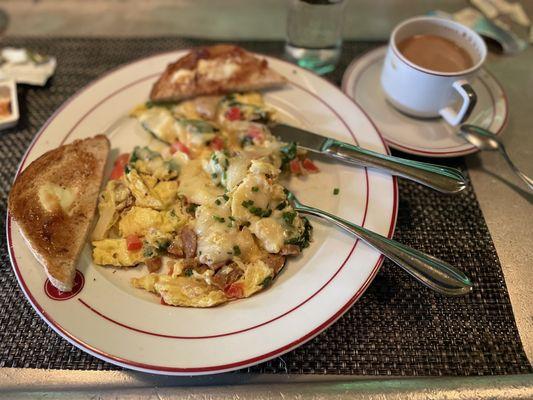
54	200
213	70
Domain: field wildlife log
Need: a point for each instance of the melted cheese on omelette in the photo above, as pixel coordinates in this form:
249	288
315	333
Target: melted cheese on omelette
207	215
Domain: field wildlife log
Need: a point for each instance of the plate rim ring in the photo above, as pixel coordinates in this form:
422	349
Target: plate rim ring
194	370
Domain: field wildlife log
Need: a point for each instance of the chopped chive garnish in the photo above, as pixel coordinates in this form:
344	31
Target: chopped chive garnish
259	211
219	219
214	175
237	250
336	191
247	203
255	189
218	202
225	197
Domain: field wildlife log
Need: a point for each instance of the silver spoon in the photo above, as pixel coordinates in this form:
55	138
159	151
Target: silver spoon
430	271
485	140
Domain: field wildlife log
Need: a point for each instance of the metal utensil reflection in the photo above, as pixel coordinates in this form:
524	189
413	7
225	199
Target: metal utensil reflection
430	271
486	140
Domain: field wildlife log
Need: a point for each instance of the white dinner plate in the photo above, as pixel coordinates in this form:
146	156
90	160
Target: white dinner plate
109	319
424	137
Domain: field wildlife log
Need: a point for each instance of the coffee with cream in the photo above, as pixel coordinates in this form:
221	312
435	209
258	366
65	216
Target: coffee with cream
435	53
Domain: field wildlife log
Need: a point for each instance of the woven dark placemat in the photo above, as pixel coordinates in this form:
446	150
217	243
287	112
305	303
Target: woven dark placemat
397	327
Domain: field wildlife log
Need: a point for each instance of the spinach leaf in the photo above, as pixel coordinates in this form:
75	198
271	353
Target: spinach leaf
288	153
197	125
303	240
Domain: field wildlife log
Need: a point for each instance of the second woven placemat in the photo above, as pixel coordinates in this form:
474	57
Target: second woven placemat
397	327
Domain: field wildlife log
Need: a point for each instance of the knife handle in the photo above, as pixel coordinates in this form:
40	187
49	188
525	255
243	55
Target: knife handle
441	178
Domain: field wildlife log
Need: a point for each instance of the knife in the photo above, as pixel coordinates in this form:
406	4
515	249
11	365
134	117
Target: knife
441	178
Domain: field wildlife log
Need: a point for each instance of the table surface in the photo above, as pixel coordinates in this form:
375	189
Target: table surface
505	203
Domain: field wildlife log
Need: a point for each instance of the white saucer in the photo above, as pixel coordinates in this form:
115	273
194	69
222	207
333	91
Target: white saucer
425	137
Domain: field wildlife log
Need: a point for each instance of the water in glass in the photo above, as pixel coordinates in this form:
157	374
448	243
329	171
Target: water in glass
314	33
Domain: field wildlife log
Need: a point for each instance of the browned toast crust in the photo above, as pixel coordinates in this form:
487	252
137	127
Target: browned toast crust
56	236
252	74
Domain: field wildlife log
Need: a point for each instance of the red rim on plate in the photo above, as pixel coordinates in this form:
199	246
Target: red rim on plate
210	368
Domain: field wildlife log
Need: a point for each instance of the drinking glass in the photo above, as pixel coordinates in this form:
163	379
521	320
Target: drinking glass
314	33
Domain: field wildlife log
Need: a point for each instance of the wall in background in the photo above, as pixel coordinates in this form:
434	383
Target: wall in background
224	19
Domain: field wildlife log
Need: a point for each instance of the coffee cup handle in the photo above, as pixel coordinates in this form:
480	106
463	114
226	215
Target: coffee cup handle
469	102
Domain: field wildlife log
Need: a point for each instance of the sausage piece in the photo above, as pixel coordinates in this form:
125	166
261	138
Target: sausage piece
188	239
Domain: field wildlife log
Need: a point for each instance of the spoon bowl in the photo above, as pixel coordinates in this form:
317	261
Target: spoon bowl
486	140
479	137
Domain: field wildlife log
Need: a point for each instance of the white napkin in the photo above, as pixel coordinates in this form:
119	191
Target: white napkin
26	67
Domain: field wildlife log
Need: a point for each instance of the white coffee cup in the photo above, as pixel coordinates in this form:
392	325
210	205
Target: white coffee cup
421	92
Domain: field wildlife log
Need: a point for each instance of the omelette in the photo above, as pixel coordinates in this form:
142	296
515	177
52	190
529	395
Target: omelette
207	214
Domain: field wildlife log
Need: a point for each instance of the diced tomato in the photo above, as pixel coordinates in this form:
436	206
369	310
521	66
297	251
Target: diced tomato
123	158
133	242
255	133
234	114
309	165
235	290
120	163
295	167
178	146
217	143
117	172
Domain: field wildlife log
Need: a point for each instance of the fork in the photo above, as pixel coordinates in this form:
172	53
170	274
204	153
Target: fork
436	274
